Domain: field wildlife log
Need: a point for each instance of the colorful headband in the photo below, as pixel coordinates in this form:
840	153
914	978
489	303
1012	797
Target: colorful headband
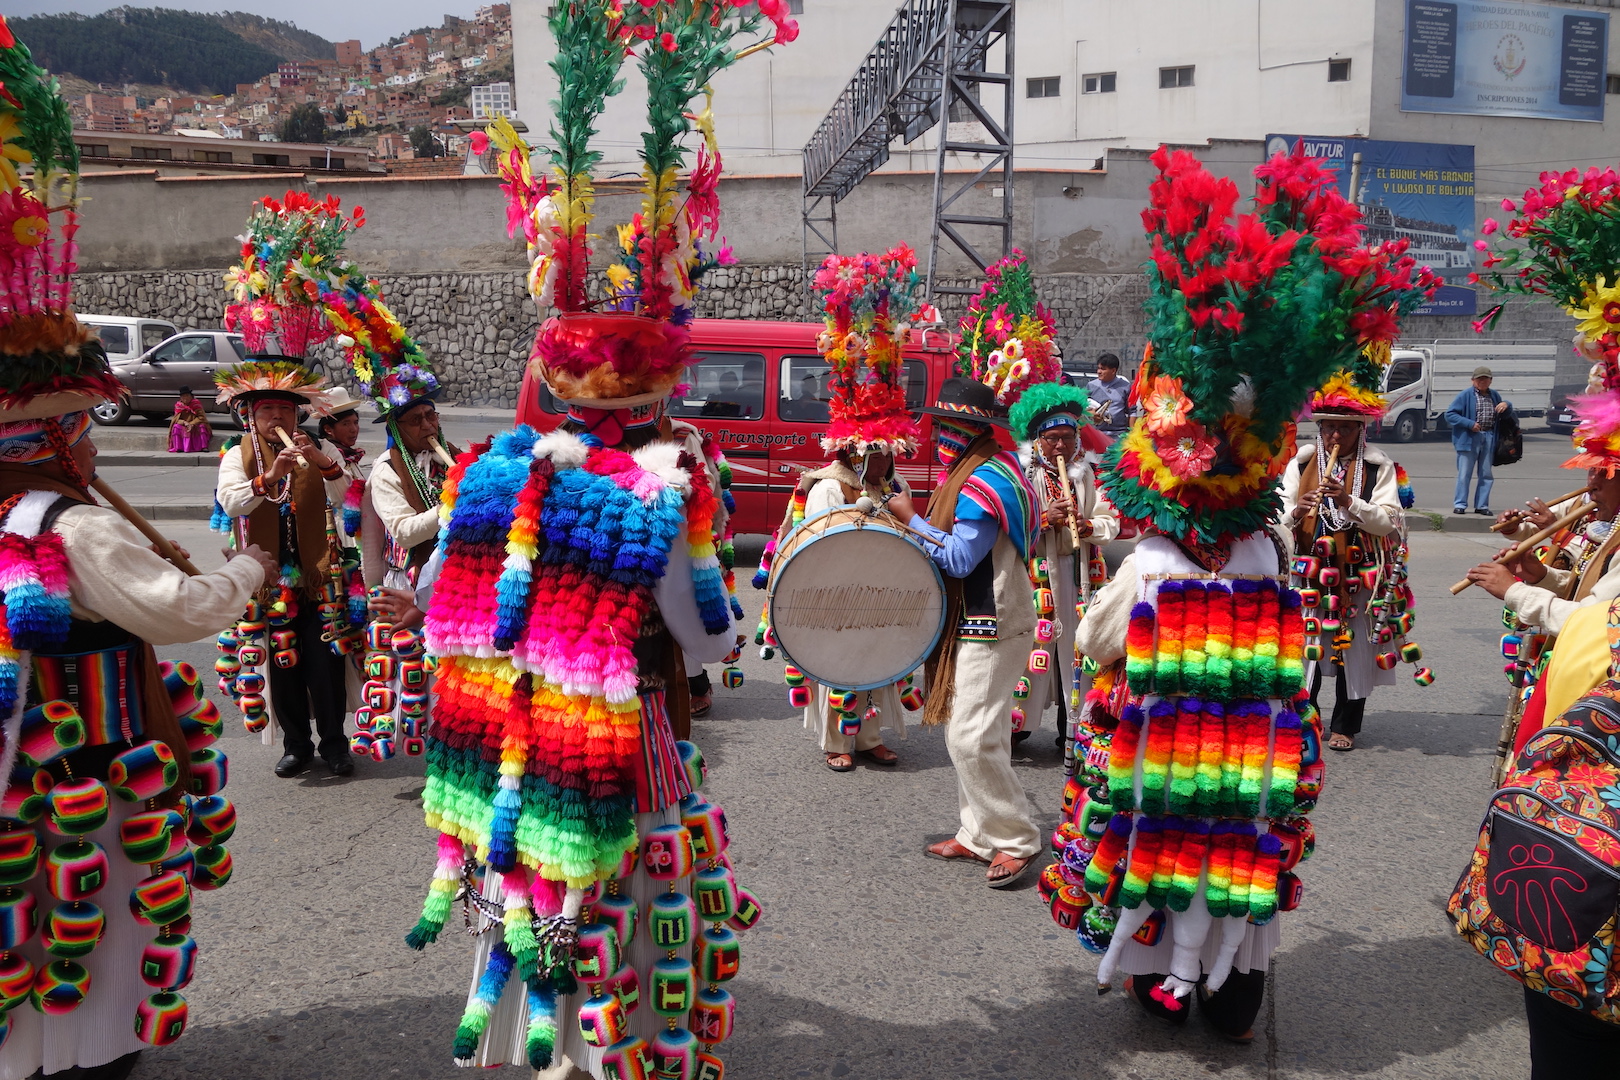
1057	420
26	442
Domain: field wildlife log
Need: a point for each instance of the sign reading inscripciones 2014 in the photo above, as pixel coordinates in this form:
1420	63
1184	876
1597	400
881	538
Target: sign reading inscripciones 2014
1493	59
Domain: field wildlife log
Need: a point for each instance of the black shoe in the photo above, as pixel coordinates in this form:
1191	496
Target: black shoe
1487	513
292	765
1459	511
341	765
1020	736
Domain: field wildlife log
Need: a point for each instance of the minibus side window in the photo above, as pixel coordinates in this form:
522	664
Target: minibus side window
804	390
726	385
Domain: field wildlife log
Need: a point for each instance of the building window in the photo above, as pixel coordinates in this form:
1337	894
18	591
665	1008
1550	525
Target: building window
324	162
1338	71
152	153
1612	84
281	160
795	7
1101	83
1043	87
94	150
1170	78
214	157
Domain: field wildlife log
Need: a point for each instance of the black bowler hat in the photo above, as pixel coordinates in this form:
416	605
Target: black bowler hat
968	399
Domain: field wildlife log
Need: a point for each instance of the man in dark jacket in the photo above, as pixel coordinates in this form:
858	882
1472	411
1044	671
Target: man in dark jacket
1472	416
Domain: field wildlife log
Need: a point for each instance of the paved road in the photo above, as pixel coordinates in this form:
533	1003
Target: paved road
872	961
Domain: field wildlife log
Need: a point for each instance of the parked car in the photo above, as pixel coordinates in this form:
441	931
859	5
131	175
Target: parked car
760	391
126	337
1561	417
155	377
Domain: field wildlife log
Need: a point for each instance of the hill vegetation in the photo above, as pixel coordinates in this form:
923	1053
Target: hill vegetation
204	54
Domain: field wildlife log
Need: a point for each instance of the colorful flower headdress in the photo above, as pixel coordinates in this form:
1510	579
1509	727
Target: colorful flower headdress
49	363
1248	314
289	248
1570	232
679	45
243	383
388	363
1007	334
1049	401
869	303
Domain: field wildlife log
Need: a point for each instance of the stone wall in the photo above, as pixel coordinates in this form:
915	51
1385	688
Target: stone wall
477	327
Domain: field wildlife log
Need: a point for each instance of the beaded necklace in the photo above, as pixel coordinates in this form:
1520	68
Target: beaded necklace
1338	518
285	483
428	487
1593	537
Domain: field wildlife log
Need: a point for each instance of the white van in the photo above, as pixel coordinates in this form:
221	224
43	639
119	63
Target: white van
125	336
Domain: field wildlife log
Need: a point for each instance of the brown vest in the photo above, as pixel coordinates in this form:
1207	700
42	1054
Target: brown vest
309	512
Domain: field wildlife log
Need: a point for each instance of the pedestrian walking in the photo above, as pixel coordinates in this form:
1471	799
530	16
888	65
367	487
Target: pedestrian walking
1472	415
189	432
1110	396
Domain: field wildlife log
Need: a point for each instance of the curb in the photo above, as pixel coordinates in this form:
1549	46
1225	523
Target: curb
1447	522
174	511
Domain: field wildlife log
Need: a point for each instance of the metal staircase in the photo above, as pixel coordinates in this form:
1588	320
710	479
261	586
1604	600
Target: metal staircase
925	72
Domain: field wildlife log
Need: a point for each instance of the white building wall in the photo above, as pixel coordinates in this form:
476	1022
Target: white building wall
1261	66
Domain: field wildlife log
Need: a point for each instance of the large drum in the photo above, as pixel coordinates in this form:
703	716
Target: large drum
855	603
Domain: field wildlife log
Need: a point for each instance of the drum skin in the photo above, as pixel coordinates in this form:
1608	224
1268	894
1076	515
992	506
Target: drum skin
854	602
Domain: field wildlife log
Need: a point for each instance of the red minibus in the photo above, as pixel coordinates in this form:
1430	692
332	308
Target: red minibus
759	389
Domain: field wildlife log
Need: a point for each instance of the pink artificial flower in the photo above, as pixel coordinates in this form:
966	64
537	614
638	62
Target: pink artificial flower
1480	245
725	257
1507	206
480	142
1488	226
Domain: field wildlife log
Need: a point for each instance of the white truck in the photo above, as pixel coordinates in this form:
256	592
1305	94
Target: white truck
1422	380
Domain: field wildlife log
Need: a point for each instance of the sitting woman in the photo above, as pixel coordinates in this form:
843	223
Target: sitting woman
189	432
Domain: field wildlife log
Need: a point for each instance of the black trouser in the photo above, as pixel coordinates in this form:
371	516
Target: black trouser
1347	711
698	685
316	683
1566	1043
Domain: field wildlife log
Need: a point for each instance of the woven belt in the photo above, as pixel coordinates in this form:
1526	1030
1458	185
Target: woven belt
102	685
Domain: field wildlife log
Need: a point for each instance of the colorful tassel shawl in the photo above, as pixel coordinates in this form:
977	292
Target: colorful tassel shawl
34	610
1208	750
552	549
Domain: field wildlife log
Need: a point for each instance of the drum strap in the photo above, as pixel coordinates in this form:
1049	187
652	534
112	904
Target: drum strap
941	664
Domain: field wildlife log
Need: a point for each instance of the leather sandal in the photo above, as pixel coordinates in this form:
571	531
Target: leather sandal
880	755
840	762
952	850
1016	868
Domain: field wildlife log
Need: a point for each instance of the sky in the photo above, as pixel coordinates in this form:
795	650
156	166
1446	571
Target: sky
373	23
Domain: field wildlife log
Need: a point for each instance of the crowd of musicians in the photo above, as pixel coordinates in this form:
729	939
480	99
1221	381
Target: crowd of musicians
530	617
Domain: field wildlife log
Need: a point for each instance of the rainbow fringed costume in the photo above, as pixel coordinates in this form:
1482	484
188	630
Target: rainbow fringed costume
1196	773
550	766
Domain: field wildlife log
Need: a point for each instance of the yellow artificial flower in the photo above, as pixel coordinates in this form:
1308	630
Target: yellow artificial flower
1601	315
30	230
620	277
10	152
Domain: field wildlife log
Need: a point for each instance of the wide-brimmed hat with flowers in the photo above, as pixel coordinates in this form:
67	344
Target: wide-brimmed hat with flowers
1008	335
1248	314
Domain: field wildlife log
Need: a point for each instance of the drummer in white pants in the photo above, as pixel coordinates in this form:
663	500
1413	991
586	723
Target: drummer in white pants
840	483
980	523
1047	421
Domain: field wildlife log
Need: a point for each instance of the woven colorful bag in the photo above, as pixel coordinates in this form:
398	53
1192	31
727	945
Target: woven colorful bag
1540	898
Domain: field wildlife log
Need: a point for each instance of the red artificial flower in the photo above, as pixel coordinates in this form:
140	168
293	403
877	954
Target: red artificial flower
7	41
666	41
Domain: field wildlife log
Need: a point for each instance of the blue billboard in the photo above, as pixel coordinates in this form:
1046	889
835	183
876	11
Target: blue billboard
1495	59
1422	193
